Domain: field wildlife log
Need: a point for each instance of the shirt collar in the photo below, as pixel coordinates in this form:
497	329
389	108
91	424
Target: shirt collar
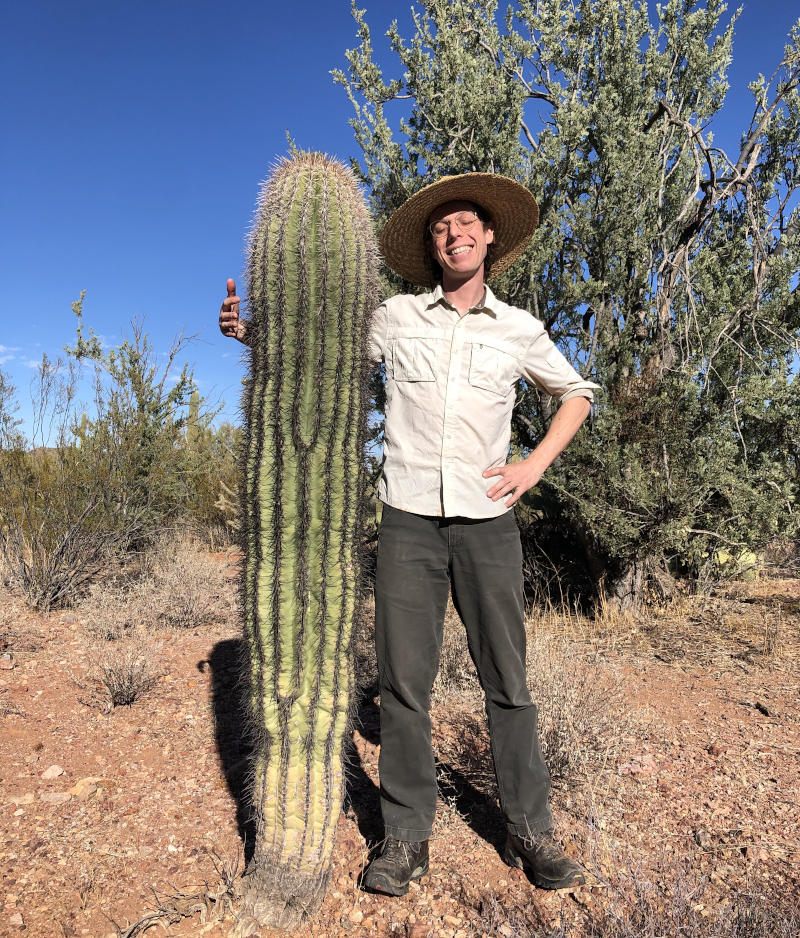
488	305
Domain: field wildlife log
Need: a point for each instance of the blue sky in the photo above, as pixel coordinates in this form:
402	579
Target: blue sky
135	138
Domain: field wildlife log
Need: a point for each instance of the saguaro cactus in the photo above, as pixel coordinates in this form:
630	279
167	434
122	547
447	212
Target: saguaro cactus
312	285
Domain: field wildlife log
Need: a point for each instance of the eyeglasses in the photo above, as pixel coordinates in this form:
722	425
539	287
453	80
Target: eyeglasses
464	220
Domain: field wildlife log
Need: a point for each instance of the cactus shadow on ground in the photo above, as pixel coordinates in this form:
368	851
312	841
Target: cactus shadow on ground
229	708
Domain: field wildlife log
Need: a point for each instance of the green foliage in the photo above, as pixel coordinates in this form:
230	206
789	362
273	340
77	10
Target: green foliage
83	493
312	285
57	526
664	268
133	441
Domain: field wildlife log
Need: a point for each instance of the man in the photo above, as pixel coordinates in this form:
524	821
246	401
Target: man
453	357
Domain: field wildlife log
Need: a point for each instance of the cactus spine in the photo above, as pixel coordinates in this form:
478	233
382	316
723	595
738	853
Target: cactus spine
312	285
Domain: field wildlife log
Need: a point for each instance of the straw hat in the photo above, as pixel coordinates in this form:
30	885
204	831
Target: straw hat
509	205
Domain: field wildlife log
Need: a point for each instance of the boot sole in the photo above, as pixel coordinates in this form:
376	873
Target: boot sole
513	859
388	888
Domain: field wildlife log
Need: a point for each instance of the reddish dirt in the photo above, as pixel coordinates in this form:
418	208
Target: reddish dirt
701	786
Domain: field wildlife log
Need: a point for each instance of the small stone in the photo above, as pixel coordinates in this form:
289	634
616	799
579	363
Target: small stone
84	788
16	919
356	916
702	838
55	797
451	920
27	798
19	812
53	772
369	922
7	662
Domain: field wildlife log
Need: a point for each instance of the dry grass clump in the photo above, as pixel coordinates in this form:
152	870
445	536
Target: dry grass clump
126	669
498	920
179	586
583	714
120	672
679	903
456	670
362	646
582	709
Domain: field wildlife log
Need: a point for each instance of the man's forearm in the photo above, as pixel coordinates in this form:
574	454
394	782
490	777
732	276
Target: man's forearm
566	423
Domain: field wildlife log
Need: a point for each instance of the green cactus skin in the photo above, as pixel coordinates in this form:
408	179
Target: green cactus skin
312	285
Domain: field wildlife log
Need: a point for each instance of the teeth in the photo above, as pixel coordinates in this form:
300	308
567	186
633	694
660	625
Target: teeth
461	249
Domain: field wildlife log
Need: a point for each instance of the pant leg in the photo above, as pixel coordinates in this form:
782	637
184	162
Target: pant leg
411	590
486	569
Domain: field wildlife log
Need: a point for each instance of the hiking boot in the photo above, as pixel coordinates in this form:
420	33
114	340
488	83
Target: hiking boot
543	860
399	862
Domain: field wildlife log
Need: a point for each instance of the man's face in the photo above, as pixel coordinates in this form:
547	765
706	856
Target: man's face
460	253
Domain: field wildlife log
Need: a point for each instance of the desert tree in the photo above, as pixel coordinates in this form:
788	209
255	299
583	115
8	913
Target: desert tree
665	267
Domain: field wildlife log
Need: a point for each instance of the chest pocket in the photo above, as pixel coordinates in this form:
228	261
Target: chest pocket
491	369
413	358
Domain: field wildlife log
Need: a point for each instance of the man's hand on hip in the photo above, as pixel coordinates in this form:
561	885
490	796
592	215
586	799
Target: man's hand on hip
518	477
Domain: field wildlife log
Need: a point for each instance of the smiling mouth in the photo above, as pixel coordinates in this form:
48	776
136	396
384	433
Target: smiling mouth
462	249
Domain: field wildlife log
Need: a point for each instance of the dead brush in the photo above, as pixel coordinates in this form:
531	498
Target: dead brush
190	588
121	672
679	903
179	586
362	646
456	677
498	920
582	709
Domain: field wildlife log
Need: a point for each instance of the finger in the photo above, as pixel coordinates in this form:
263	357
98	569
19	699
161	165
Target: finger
498	491
497	471
232	287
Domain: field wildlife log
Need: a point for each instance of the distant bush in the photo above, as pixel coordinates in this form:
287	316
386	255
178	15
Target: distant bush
81	495
178	586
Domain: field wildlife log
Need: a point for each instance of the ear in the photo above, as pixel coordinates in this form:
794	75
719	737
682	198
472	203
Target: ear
488	227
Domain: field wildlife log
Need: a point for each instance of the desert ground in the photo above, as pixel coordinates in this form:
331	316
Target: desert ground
672	737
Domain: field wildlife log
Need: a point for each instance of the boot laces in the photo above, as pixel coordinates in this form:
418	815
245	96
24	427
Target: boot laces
395	851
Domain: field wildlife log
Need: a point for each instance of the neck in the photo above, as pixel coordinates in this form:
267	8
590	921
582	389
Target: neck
464	294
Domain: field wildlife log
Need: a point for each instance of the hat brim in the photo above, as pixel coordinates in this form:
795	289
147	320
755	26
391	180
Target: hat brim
509	205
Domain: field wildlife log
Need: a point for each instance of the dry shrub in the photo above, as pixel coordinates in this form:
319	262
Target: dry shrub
121	672
180	586
191	588
362	646
679	903
456	671
582	710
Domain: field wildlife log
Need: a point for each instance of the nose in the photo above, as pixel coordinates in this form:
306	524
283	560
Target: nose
453	222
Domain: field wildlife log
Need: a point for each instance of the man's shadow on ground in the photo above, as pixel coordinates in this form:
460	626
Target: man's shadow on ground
362	797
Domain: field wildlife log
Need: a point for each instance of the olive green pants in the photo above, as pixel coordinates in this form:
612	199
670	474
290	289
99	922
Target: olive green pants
420	559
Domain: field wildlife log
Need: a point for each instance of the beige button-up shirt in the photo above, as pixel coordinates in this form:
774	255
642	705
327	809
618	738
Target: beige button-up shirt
450	388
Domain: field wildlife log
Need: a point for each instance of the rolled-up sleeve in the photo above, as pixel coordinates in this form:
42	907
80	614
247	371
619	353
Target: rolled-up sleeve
376	341
545	367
